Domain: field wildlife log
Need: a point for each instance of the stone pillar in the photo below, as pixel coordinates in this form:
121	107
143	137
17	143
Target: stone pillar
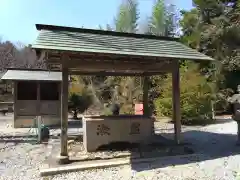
176	102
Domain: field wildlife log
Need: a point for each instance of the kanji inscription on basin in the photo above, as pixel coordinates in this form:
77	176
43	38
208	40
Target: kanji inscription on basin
135	128
102	129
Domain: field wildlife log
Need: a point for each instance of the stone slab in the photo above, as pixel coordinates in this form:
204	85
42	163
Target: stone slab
84	166
105	164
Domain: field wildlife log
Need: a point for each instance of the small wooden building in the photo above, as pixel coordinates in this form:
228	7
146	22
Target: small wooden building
35	93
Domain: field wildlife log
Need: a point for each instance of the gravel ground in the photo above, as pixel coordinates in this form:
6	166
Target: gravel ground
219	159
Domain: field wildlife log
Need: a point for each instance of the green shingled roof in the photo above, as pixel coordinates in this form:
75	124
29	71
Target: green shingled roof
98	41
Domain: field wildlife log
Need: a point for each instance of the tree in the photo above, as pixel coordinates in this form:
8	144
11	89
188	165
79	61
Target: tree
126	20
191	28
18	56
213	28
79	102
162	22
7	54
127	17
164	19
195	96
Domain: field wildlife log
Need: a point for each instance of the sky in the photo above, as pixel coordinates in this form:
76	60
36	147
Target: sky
18	17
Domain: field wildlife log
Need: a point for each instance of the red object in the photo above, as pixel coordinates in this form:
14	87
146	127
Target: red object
138	109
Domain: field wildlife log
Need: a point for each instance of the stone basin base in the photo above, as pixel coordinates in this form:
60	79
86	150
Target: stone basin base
102	130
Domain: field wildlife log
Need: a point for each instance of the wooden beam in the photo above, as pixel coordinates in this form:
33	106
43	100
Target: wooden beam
104	56
103	73
87	65
176	102
87	72
64	111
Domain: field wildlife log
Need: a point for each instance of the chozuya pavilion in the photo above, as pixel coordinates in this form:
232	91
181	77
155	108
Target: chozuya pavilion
81	51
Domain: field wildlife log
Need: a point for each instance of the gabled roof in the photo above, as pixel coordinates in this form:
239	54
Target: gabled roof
32	75
108	42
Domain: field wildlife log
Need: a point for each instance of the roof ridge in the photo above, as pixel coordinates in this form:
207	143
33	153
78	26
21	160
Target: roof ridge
103	32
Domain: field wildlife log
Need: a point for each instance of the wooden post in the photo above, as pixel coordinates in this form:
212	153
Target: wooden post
146	109
37	121
38	105
176	102
64	113
15	108
145	80
38	98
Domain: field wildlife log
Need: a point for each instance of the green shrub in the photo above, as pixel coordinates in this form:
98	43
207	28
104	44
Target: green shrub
78	103
195	97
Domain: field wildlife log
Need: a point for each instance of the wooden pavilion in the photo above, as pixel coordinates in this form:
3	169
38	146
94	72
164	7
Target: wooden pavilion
96	52
35	93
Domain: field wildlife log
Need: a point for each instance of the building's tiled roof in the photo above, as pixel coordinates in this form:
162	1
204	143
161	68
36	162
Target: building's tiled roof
107	42
32	75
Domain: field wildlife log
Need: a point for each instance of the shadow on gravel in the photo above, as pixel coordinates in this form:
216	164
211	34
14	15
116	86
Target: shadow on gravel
207	146
222	120
207	123
17	141
72	123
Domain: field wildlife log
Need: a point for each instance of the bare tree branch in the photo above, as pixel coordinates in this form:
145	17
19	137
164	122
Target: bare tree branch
19	56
